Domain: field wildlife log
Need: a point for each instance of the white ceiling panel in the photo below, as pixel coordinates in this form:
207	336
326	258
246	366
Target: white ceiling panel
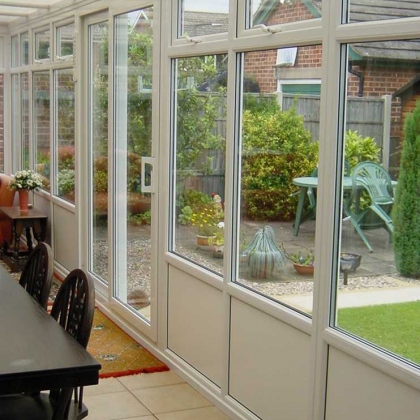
15	9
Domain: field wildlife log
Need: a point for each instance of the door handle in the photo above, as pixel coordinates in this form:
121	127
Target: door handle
150	187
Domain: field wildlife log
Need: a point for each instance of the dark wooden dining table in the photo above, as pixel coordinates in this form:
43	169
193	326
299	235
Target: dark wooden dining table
36	353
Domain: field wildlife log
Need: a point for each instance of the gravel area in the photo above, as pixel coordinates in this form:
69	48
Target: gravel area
288	283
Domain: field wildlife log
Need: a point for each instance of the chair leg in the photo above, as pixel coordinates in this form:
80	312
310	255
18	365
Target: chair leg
361	233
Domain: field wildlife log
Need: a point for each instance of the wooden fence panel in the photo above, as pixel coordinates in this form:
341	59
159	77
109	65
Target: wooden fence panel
364	115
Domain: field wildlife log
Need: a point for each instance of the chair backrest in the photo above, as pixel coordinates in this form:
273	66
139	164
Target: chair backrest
37	274
74	305
376	180
73	308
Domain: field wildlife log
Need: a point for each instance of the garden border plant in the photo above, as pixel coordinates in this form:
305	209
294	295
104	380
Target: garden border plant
406	235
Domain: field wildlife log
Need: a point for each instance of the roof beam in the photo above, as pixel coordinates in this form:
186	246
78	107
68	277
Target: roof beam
14	13
27	5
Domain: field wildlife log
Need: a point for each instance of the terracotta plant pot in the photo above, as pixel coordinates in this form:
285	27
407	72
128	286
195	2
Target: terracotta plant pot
205	240
306	270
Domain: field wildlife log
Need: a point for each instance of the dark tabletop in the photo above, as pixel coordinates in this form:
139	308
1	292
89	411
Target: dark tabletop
35	351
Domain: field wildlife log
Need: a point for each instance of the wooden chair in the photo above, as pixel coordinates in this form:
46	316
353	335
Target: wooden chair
73	309
37	274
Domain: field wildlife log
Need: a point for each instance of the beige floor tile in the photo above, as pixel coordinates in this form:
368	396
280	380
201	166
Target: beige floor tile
169	398
148	380
105	386
115	406
207	413
141	418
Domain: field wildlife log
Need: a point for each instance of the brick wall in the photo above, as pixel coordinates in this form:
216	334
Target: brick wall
261	64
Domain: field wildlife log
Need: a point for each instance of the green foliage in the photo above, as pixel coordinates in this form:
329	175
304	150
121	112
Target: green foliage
301	257
260	103
406	210
202	211
144	218
359	149
276	149
65	182
198	114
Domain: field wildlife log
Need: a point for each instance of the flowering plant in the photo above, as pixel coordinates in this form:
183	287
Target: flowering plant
25	180
209	219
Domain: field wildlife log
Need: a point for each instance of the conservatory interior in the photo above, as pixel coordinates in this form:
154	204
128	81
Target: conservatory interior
240	179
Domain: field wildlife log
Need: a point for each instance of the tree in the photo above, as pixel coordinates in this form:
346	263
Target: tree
406	211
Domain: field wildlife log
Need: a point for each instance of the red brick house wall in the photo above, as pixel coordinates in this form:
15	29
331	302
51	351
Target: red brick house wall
261	64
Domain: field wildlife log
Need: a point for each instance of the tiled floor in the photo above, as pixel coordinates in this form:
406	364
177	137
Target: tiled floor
163	396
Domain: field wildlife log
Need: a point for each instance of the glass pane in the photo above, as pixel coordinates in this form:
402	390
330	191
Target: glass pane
42	45
199	167
24	49
200	17
379	259
268	13
24	103
360	11
15	119
133	138
64	133
41	125
15	51
98	133
65	40
279	158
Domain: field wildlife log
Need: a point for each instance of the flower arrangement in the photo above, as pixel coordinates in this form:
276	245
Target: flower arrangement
25	180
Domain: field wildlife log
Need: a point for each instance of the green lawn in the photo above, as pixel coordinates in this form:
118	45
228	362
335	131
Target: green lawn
395	327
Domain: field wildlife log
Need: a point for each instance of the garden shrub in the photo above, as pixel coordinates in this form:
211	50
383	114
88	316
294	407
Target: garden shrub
406	210
359	149
276	148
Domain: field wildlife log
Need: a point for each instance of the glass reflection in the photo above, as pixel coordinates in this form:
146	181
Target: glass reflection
64	134
279	157
379	260
283	11
199	18
98	138
41	125
359	11
200	159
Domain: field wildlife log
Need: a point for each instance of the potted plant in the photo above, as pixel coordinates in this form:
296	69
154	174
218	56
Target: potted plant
208	219
264	256
219	240
23	182
303	261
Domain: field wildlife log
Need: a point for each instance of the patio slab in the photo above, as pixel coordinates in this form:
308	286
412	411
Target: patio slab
353	299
